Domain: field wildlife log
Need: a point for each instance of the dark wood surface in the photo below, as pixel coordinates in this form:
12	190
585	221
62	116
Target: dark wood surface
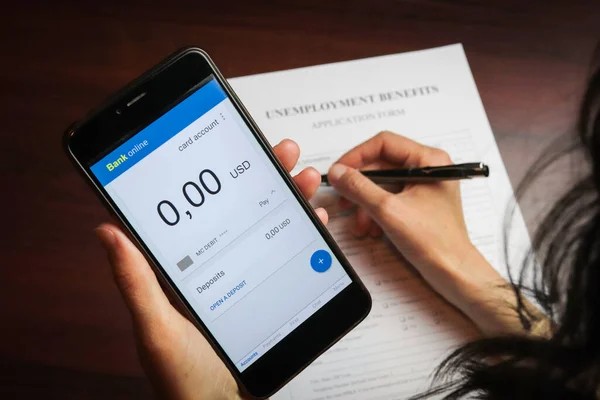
64	332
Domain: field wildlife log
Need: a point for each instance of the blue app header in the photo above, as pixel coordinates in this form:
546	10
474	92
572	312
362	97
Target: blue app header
157	133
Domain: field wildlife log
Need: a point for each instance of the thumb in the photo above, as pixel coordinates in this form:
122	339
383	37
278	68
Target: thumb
357	188
135	279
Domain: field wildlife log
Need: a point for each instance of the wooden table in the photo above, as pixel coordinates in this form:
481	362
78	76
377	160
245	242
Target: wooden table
64	331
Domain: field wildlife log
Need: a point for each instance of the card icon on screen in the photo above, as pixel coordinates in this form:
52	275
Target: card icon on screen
184	263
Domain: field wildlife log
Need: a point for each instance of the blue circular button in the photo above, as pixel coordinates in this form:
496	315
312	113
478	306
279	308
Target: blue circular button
320	261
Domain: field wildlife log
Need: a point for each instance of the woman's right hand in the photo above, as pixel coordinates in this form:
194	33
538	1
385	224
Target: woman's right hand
425	222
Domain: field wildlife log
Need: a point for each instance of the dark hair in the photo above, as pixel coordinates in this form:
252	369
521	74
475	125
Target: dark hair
565	265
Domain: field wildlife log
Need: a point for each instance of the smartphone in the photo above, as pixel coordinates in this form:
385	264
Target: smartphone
179	161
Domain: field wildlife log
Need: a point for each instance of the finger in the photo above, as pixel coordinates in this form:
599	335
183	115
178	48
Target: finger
386	147
323	216
357	188
308	181
135	279
362	223
288	152
380	164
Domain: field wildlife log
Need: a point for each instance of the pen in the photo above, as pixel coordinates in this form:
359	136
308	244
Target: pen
426	174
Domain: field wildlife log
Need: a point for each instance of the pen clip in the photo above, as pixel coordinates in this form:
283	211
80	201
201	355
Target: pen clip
466	170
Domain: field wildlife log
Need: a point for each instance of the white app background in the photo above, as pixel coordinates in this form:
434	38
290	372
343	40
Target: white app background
242	242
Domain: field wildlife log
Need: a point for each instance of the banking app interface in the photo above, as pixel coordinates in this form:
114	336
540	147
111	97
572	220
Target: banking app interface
208	202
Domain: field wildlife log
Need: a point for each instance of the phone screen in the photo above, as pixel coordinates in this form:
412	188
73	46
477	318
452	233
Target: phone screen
210	205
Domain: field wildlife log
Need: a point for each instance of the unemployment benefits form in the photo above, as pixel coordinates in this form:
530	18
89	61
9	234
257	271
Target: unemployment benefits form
429	96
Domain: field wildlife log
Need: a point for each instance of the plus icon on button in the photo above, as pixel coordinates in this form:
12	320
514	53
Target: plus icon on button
320	261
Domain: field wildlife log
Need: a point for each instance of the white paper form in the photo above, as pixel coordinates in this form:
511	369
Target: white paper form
429	96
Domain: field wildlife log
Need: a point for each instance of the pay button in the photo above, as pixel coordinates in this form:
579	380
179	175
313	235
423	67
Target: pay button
263	203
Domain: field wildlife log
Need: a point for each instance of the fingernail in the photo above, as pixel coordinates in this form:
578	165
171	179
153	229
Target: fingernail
336	172
106	236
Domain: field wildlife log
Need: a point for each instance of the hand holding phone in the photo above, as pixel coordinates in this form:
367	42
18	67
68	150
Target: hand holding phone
176	157
180	361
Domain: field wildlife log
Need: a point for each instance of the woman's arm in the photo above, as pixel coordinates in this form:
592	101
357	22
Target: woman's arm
426	223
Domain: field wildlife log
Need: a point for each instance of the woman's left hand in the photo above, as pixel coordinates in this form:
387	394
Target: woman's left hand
177	358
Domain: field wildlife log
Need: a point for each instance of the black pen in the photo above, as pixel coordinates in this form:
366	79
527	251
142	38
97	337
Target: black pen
425	174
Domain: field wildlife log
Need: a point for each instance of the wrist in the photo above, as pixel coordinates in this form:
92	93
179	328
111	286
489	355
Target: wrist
484	296
470	283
